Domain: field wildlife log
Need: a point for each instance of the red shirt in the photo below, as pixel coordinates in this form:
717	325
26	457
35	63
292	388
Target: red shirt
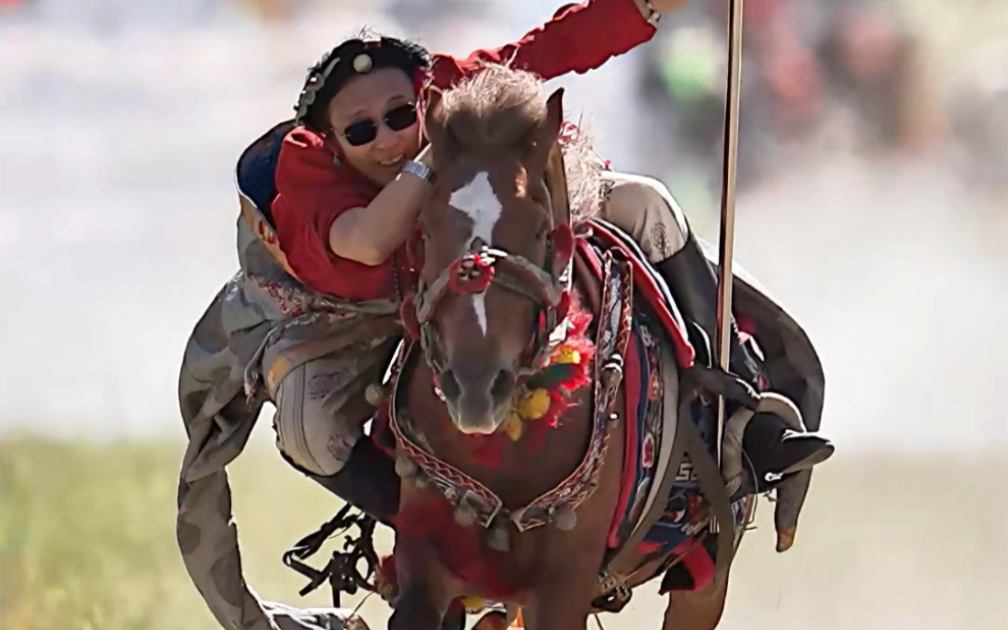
312	191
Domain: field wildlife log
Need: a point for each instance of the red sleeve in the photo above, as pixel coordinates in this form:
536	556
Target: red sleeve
311	193
579	38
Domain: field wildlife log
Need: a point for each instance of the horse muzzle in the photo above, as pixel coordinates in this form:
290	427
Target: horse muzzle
478	398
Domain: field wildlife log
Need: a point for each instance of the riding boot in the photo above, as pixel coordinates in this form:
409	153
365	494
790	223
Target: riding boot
693	283
773	451
771	448
367	481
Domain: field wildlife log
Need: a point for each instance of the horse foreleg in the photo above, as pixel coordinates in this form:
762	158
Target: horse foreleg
423	600
562	605
554	618
696	610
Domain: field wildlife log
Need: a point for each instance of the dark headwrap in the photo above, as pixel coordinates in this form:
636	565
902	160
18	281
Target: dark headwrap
356	56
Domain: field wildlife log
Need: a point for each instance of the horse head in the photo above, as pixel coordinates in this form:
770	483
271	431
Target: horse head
492	245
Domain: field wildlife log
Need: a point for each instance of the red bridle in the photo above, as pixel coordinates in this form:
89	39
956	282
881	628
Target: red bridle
475	272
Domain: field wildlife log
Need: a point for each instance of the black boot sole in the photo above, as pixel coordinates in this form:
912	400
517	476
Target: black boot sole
811	461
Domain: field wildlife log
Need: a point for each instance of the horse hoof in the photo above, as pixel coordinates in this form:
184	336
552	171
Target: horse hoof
465	515
405	467
565	519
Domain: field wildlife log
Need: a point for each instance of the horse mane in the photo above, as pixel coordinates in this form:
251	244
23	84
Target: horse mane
498	108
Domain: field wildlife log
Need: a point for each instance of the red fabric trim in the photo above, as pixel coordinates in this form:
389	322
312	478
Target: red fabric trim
631	396
698	562
643	283
700	565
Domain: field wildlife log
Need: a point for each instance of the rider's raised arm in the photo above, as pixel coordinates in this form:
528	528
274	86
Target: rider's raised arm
579	38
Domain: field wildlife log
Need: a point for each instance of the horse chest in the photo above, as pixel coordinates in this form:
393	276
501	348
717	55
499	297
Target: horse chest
462	551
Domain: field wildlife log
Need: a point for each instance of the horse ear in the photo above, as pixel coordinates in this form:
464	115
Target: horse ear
546	136
434	123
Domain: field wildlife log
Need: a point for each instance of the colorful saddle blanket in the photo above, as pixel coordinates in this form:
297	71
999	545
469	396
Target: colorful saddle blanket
681	533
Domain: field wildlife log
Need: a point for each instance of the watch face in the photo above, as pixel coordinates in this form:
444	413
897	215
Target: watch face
420	170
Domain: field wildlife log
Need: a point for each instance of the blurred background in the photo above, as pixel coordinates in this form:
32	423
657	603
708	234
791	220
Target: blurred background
873	203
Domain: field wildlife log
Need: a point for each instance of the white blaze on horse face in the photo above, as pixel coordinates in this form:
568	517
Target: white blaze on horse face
478	202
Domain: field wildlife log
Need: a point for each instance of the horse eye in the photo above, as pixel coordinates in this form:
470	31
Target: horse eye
542	232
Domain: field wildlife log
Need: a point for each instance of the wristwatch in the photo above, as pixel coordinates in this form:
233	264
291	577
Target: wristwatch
652	17
417	169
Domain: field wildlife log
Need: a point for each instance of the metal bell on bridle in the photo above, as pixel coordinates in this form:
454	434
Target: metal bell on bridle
565	519
499	538
406	468
465	514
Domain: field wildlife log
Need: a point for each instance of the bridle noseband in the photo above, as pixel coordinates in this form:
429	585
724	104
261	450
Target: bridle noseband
475	272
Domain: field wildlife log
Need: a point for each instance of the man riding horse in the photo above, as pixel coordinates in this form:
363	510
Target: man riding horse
312	318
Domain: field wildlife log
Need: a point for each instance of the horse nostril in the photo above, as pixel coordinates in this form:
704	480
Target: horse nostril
450	386
503	387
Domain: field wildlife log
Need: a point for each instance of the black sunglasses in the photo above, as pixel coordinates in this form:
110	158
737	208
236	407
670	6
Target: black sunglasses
365	131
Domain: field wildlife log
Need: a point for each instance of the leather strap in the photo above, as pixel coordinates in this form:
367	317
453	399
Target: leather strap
622	562
713	487
687	440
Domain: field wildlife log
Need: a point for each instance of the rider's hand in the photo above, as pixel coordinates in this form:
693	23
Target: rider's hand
660	6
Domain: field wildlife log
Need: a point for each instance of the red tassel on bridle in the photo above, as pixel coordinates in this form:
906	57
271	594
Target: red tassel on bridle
562	242
473	273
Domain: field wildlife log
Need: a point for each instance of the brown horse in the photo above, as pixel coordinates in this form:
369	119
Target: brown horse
510	434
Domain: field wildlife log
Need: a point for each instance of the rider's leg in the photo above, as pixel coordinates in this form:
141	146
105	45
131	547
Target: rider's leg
643	208
321	411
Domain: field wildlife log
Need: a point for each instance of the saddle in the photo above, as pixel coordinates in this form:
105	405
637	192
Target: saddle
795	372
679	434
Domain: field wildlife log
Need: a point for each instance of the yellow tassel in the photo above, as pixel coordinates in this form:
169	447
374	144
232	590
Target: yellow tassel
567	354
513	426
534	404
473	604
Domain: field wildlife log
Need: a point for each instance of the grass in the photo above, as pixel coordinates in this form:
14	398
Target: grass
87	542
87	534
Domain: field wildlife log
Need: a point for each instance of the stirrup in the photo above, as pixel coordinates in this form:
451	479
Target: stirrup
342	571
735	426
